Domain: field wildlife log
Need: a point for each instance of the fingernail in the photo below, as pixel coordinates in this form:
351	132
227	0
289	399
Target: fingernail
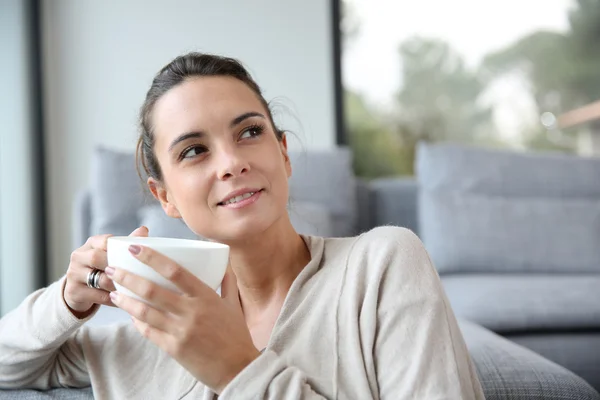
114	297
135	249
109	271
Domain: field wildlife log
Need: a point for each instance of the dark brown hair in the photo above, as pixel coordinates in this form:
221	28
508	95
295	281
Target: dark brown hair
184	67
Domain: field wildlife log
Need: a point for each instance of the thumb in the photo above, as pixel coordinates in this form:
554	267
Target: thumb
229	288
142	231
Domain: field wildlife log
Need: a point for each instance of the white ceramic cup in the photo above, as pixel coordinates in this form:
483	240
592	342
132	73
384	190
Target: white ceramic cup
206	260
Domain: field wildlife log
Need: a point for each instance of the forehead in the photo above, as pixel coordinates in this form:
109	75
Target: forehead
202	103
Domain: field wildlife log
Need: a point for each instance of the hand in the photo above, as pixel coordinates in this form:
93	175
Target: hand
77	295
203	332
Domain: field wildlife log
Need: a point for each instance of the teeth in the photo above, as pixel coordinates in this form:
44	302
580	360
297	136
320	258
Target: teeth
239	198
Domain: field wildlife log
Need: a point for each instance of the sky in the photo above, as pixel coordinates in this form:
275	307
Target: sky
371	66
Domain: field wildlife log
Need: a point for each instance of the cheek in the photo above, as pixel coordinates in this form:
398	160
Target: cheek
279	179
192	189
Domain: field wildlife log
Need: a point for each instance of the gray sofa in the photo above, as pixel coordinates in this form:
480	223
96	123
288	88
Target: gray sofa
327	200
516	240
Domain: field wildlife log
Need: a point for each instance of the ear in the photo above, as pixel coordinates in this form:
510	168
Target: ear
286	158
161	194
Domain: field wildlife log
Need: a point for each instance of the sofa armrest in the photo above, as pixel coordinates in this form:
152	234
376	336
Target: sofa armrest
54	394
393	201
363	201
509	371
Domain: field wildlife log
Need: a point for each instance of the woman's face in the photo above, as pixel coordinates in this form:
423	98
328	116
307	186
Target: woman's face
224	171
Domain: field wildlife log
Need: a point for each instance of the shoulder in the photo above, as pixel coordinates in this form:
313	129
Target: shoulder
394	237
391	246
391	259
378	244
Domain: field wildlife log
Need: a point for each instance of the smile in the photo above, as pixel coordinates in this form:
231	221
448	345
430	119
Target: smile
241	200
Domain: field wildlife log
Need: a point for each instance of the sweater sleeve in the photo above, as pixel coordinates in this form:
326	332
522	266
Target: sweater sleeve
269	377
419	350
38	343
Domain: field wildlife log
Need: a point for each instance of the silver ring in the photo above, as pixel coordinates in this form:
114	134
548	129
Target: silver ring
92	278
97	279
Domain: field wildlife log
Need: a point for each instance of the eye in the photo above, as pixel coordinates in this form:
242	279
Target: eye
252	132
192	151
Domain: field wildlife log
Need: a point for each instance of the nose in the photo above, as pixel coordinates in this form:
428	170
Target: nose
231	163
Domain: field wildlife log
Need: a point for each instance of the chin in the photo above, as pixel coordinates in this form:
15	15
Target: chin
240	230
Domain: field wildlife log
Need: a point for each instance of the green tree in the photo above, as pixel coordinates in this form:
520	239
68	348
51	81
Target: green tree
376	149
563	68
583	41
440	96
439	100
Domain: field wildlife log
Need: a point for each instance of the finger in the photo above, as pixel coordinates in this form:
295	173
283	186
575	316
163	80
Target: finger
164	299
142	231
92	258
104	282
97	242
103	299
179	276
99	297
143	312
89	295
229	288
79	270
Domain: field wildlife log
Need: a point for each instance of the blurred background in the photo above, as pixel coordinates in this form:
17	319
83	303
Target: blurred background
477	72
378	76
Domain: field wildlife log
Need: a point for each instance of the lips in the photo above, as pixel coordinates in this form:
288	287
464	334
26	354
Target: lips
238	195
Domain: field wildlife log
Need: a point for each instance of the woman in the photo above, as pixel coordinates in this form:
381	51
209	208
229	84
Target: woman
300	317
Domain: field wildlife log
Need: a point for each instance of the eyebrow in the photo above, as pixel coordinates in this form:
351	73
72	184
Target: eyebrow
237	120
200	134
184	137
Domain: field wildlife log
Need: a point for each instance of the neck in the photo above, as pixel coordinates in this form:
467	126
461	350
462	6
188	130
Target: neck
266	266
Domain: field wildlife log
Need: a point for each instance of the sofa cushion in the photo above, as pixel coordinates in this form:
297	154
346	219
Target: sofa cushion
479	233
499	211
117	193
508	371
326	177
160	224
311	218
521	303
447	166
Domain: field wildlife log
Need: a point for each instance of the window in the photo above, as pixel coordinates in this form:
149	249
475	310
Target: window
486	73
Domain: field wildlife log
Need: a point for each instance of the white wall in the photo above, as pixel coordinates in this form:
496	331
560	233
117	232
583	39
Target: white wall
18	257
100	57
